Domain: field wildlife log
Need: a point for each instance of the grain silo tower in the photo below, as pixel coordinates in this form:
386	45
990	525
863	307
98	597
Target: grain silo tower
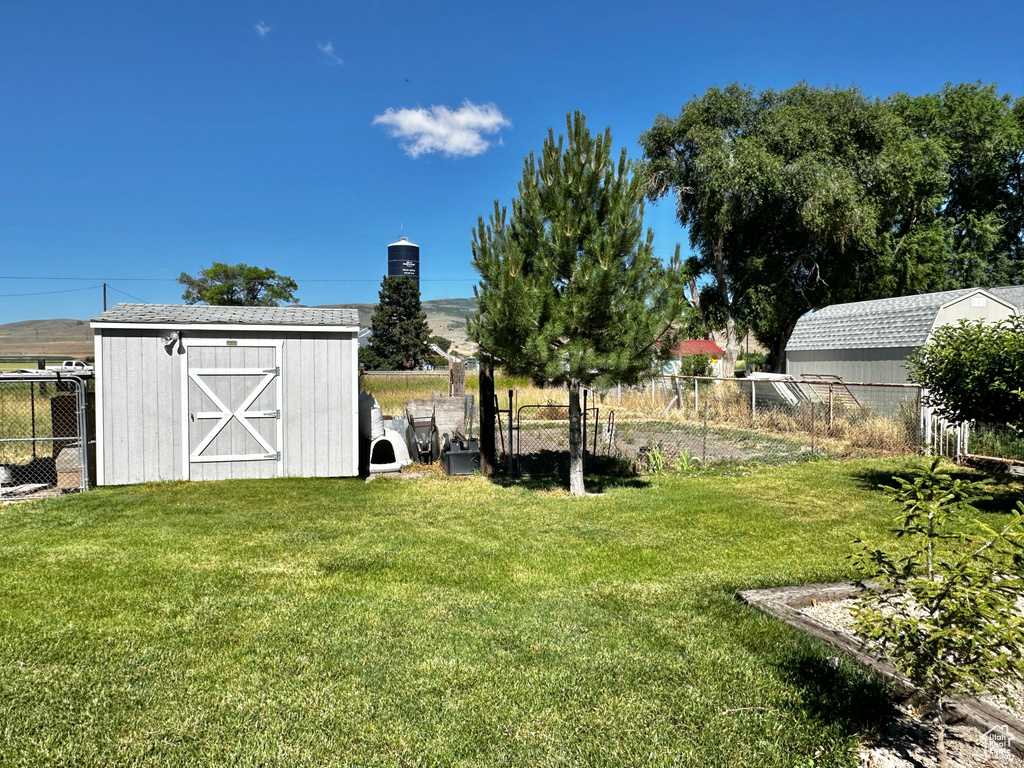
404	259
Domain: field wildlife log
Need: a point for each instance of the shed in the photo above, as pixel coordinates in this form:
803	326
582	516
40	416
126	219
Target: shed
208	393
869	341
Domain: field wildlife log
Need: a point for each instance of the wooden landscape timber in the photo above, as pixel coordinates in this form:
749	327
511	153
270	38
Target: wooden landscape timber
785	603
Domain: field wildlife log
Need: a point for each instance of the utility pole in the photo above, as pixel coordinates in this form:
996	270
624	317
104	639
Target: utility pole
104	297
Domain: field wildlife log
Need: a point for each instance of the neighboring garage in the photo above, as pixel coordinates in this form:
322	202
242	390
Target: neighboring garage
869	341
209	393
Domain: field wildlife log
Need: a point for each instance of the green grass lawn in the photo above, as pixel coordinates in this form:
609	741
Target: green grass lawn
431	622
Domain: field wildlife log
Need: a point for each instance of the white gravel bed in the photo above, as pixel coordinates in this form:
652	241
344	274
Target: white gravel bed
910	743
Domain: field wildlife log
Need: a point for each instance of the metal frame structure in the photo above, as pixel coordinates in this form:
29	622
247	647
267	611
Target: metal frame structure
77	384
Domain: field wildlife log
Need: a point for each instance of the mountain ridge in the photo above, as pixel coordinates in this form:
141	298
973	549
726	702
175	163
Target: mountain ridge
67	337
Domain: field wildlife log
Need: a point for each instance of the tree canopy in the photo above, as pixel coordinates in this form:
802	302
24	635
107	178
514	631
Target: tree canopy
238	285
399	327
570	290
807	197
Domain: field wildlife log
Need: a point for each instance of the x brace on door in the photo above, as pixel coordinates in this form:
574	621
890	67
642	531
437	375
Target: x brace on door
242	414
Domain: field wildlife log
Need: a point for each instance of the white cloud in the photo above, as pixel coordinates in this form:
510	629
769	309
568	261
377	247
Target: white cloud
454	133
262	29
328	51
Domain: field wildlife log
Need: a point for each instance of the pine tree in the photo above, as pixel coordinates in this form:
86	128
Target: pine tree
400	330
570	292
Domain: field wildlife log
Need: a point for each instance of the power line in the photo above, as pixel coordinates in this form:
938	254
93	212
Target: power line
115	290
46	293
174	280
101	279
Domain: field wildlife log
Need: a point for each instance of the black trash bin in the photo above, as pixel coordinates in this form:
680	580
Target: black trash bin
461	454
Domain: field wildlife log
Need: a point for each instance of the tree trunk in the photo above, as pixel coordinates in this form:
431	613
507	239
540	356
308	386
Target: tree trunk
732	346
575	441
778	351
488	452
732	340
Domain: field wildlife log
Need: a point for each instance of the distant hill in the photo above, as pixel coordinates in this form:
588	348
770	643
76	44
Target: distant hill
446	317
66	338
52	339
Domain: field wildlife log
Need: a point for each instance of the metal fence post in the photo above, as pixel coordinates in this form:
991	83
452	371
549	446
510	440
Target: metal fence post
753	402
696	397
830	405
704	448
32	397
511	450
82	429
813	430
584	426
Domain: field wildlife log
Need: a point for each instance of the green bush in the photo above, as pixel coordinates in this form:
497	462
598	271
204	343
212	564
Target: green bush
974	372
695	365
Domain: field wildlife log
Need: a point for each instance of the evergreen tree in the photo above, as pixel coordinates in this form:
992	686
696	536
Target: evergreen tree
400	331
570	292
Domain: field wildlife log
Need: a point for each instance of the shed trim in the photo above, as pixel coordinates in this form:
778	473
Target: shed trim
221	327
98	367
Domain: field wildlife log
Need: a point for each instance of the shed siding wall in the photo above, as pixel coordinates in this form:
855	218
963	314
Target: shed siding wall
141	408
143	417
320	425
876	366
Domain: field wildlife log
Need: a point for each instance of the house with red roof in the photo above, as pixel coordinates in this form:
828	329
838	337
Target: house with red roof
701	347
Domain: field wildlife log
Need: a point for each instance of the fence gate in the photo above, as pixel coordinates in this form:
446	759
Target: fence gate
535	438
232	425
47	428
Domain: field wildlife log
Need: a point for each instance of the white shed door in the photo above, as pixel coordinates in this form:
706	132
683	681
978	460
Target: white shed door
233	424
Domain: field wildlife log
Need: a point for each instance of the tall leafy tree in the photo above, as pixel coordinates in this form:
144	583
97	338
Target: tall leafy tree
982	142
570	291
795	200
400	334
238	285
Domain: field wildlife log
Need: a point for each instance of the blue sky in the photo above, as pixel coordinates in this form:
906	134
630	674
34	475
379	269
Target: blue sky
140	140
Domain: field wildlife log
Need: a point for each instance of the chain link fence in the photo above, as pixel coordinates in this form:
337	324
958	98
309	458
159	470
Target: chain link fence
987	444
45	423
994	441
682	422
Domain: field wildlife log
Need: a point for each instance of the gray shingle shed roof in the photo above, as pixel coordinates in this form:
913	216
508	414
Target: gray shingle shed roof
905	321
1014	294
202	314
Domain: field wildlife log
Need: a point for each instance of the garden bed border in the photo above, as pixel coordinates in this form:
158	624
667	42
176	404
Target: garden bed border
785	603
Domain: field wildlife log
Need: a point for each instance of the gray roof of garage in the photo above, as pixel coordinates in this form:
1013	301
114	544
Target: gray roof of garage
904	321
188	314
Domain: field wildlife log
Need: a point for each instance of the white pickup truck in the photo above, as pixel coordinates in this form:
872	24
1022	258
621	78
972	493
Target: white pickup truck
70	366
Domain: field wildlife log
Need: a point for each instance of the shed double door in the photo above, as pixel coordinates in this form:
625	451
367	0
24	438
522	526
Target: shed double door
232	426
